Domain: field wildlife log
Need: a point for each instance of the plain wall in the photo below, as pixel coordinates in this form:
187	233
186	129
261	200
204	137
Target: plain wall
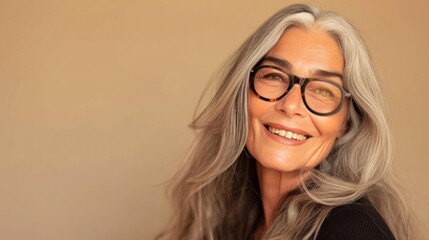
96	96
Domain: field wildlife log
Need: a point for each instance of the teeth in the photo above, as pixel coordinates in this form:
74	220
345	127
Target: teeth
287	134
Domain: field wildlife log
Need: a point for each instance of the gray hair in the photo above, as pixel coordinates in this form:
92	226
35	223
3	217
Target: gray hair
216	193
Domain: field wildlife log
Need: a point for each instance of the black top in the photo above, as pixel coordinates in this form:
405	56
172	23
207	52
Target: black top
354	221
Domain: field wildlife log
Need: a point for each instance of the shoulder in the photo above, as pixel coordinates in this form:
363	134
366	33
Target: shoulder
359	220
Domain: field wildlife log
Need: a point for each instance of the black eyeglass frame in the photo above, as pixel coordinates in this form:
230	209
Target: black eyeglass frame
303	83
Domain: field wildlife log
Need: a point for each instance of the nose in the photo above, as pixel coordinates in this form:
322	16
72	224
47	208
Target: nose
292	103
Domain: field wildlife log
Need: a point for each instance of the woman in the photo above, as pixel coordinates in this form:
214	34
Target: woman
294	144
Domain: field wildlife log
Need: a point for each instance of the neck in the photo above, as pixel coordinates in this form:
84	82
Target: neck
275	185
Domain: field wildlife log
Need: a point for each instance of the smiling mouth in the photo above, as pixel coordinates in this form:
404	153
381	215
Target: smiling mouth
287	134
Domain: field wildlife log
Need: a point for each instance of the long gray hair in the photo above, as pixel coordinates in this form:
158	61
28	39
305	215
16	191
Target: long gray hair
216	193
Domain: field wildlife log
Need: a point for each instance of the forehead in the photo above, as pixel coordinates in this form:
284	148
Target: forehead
308	51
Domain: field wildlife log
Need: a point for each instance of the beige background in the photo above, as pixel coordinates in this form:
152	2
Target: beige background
96	95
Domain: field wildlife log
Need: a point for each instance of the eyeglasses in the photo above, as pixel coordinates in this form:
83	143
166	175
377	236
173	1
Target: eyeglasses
321	97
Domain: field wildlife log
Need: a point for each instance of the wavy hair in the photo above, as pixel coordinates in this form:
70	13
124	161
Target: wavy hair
216	194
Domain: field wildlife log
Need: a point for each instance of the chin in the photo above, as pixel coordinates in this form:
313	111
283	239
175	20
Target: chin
279	163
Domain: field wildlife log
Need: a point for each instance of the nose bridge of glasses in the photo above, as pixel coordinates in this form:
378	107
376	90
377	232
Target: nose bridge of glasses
297	80
292	90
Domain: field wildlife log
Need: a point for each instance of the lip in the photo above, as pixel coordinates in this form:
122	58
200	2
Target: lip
283	140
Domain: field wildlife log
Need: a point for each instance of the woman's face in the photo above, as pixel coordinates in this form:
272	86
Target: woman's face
309	54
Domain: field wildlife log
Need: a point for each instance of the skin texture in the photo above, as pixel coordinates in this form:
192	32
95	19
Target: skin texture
280	160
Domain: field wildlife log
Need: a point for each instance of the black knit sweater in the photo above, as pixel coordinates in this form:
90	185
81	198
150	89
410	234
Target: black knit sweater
354	221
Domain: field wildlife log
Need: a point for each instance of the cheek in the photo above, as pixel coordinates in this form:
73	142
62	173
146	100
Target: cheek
256	109
329	128
332	127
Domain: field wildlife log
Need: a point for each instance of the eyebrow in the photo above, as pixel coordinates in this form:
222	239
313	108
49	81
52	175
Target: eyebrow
281	62
287	65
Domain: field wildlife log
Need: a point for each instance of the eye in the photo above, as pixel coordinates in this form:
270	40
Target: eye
270	75
324	92
273	76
